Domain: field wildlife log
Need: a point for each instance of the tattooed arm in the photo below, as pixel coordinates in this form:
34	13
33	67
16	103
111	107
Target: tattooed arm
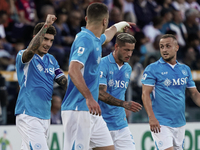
62	81
37	40
109	99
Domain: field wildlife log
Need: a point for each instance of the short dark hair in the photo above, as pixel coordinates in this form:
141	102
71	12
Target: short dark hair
123	38
96	12
169	36
50	30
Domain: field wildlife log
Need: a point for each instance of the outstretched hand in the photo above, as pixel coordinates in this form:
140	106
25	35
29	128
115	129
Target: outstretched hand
132	106
50	19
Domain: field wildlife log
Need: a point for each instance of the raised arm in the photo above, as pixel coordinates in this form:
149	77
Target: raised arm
153	122
195	95
109	99
118	27
37	40
78	80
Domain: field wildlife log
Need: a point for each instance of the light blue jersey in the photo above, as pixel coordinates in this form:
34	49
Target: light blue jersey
86	50
168	97
36	85
116	79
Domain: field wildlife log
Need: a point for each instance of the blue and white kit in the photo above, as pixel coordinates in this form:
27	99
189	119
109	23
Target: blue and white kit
36	79
168	96
86	50
116	79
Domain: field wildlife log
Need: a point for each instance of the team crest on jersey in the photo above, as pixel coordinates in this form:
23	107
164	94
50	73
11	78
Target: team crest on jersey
81	50
160	144
126	75
111	82
40	68
167	82
184	72
37	146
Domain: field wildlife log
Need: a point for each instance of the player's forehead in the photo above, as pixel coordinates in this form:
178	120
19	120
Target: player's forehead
49	36
165	41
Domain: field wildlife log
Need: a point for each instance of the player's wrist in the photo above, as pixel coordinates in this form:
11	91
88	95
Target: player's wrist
121	25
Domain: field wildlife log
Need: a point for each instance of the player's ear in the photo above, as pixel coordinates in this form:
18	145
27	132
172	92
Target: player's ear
86	18
104	21
177	47
116	45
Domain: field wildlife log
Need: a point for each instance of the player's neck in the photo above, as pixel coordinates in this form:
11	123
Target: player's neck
118	61
96	30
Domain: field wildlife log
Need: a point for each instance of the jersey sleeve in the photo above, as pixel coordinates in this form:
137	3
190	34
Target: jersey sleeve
190	82
19	62
103	73
148	76
81	50
58	72
103	38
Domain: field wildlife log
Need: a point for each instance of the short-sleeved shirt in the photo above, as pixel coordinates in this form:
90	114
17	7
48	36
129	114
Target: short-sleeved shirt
86	49
168	96
116	79
36	79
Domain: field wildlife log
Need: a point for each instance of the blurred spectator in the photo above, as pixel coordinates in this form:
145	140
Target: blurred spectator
5	58
116	16
136	76
3	19
191	22
193	41
3	101
166	14
178	26
194	4
153	48
143	12
189	57
128	8
27	12
63	39
152	30
45	10
56	110
74	21
180	5
140	45
165	4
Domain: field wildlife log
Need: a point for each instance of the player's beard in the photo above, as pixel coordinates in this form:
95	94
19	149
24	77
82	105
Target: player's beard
168	59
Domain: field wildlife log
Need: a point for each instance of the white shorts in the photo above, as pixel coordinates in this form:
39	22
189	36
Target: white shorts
34	132
123	139
84	130
169	137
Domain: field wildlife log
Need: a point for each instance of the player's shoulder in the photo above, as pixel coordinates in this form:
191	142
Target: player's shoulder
183	66
21	52
51	57
128	66
153	65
